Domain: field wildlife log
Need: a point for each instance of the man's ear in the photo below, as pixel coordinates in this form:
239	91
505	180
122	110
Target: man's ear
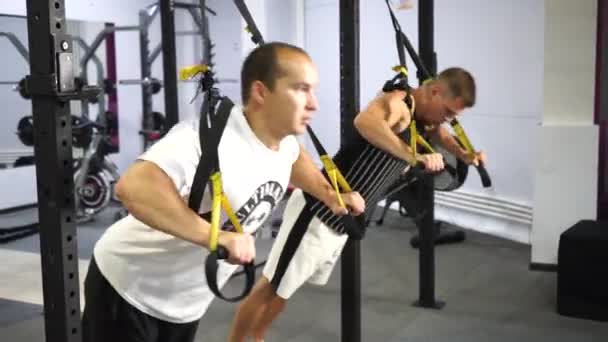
434	89
258	91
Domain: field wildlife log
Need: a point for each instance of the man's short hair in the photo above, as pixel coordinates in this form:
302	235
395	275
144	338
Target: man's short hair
460	84
262	64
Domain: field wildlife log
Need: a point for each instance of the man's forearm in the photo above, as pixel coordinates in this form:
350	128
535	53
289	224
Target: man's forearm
307	176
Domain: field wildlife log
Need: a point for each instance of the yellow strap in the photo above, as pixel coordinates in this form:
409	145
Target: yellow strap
335	176
425	144
328	164
216	205
230	213
220	200
188	72
401	69
464	140
334	181
414	140
427	81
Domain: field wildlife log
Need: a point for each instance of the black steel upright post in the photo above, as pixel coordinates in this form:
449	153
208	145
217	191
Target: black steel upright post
205	34
145	67
51	74
349	107
601	106
426	199
167	23
426	37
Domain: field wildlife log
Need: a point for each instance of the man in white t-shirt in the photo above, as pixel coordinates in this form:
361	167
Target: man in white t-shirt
146	279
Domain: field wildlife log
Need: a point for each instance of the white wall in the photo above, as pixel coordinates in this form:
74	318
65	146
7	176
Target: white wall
321	42
226	33
506	58
117	11
283	23
565	188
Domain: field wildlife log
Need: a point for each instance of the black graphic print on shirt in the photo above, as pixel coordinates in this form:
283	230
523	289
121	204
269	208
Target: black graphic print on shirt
259	206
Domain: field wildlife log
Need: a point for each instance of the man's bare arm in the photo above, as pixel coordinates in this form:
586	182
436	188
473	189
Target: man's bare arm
449	142
150	196
376	123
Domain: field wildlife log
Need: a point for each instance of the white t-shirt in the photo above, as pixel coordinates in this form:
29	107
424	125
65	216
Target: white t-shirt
164	276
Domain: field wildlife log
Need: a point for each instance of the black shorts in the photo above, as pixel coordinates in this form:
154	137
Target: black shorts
109	318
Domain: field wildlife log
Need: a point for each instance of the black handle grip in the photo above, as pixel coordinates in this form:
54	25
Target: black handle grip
418	170
222	253
483	174
211	267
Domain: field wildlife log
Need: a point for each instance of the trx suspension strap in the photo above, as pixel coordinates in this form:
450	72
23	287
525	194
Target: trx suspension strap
252	28
401	41
400	82
354	226
211	128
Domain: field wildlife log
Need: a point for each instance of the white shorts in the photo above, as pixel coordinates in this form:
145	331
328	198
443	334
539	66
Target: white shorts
305	249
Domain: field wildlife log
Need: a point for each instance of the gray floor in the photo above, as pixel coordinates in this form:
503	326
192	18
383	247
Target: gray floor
489	292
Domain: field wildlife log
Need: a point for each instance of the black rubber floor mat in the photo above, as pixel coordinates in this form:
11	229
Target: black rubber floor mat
14	311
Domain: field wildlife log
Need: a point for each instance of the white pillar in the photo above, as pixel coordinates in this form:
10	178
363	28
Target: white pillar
565	176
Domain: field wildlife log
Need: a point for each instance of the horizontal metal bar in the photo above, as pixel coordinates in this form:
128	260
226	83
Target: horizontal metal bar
188	5
187	33
122	28
135	81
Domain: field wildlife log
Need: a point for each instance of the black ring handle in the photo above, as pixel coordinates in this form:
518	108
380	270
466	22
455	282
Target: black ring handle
211	267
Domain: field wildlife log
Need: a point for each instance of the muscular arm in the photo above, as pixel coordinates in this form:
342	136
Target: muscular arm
377	123
151	197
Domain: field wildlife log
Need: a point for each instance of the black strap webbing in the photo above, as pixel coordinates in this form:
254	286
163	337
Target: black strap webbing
211	128
315	141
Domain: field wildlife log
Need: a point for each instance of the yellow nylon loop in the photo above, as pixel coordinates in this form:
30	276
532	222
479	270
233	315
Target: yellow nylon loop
188	72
